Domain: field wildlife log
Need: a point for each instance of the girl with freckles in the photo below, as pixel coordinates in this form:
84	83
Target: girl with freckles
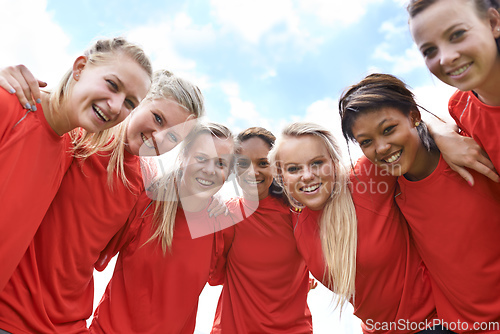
351	235
454	226
51	291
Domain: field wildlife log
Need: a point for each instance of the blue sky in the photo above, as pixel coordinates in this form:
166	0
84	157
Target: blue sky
260	62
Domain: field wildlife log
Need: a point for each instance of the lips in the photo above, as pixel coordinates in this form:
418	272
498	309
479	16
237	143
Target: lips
100	113
310	188
252	181
393	157
146	141
204	182
460	70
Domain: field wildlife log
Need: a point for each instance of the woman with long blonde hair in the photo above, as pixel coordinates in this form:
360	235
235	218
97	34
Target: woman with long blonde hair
103	86
165	253
352	235
96	197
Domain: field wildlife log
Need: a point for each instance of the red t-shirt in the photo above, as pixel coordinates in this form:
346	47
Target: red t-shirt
153	292
266	280
456	229
392	288
52	290
477	120
33	160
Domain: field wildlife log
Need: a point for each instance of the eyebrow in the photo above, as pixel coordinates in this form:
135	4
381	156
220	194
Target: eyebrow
296	163
446	32
378	126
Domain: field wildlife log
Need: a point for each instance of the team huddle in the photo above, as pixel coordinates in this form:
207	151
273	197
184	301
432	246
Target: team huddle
408	234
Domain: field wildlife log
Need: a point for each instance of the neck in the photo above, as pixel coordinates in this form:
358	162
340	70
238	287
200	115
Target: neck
425	163
57	120
488	93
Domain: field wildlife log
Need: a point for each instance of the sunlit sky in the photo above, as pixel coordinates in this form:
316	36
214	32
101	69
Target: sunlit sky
258	63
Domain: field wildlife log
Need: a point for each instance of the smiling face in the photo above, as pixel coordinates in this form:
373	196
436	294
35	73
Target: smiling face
157	126
253	168
205	168
308	170
103	95
389	138
458	45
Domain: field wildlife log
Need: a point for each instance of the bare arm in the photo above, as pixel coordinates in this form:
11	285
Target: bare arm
461	152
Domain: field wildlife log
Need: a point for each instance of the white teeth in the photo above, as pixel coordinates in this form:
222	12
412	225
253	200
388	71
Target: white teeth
394	157
100	113
460	70
146	141
310	188
253	182
204	182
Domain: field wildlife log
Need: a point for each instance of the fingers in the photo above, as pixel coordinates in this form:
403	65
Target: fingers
20	81
486	168
463	173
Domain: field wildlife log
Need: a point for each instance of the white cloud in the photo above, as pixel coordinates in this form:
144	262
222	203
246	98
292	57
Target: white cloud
162	42
32	38
336	12
325	112
252	19
434	97
397	38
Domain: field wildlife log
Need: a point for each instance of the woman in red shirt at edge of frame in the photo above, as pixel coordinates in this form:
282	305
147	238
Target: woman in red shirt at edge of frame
454	226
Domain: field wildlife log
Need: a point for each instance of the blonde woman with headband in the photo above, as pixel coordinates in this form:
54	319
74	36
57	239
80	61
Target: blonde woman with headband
165	254
98	92
51	291
351	235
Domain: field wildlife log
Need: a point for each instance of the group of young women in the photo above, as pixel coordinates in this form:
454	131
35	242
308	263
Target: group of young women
403	237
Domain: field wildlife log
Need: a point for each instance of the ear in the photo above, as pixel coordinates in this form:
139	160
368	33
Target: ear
494	19
415	117
78	67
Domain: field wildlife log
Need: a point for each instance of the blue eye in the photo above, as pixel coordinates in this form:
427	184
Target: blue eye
158	119
172	137
292	169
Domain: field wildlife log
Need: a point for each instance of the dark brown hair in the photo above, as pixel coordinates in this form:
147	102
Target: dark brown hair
374	92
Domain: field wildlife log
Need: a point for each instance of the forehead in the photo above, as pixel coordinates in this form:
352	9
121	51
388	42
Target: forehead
302	149
135	79
372	119
211	146
173	112
440	16
254	147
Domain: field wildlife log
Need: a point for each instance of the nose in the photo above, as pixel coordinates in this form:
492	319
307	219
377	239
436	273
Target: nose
382	147
448	55
308	173
162	142
117	106
209	167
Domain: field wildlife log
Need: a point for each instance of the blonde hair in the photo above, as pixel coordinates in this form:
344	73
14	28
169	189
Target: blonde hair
165	86
103	51
165	190
338	222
